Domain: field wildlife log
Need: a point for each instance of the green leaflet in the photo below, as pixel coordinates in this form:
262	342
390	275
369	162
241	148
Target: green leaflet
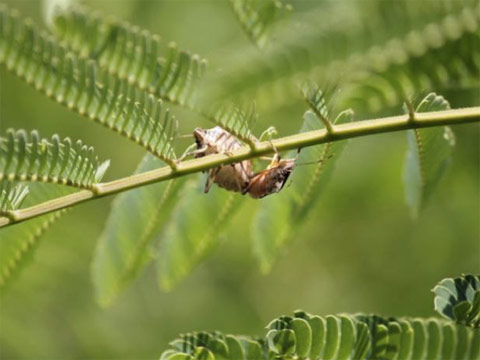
127	53
11	196
338	337
281	342
377	67
303	336
394	338
18	242
382	88
434	339
208	345
123	51
194	230
78	84
348	338
428	155
378	334
459	299
318	333
134	221
333	334
406	341
235	120
257	18
31	158
290	207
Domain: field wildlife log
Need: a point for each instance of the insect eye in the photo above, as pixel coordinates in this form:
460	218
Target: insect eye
198	134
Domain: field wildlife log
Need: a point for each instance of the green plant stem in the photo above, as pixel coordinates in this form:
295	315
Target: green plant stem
340	132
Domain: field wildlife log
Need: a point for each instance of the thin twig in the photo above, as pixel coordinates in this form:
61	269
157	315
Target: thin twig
342	132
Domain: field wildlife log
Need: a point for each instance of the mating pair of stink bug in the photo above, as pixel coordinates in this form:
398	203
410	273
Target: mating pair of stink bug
239	177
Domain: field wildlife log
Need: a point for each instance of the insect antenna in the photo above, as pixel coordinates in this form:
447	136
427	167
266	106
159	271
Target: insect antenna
314	162
183	136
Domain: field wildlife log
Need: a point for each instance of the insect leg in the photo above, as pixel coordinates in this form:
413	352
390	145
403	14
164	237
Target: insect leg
268	134
244	175
212	173
237	180
189	151
276	158
265	158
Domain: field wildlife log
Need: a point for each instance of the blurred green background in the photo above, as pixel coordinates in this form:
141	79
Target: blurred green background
360	251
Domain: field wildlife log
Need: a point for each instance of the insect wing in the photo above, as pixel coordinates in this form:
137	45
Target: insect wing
272	180
257	186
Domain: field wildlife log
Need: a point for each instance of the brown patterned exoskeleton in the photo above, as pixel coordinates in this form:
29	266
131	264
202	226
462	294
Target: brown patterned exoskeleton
233	177
272	179
239	177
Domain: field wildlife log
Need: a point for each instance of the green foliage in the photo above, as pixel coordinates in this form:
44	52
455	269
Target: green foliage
135	220
31	158
387	85
236	121
11	196
114	73
137	56
289	209
431	45
316	99
428	155
123	50
340	337
18	243
79	85
257	17
458	299
194	230
34	159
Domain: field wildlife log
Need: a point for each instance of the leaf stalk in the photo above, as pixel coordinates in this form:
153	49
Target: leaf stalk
311	138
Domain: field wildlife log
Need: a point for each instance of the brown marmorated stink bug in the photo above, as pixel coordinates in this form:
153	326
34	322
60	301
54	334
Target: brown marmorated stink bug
239	176
233	177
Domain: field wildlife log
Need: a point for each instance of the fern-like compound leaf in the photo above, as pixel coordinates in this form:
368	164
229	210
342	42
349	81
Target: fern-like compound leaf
18	243
458	299
135	220
79	85
432	45
194	230
11	196
31	158
237	121
316	99
132	54
127	53
341	337
213	345
258	17
445	60
289	209
428	155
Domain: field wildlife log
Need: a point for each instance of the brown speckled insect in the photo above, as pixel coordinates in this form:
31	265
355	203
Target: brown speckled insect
272	179
239	177
233	177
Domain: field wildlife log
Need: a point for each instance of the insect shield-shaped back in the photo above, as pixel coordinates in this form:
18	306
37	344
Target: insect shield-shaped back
271	180
233	177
